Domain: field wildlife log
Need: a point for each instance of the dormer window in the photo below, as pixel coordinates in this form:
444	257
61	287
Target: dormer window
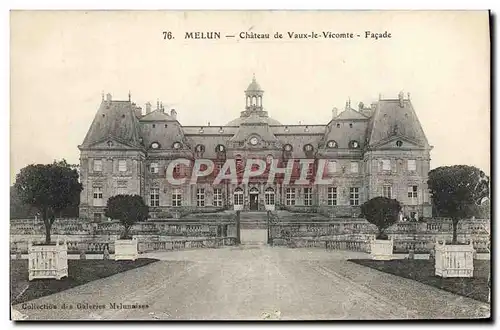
110	143
288	147
199	148
332	144
399	143
354	144
221	130
306	129
286	129
220	148
201	130
308	148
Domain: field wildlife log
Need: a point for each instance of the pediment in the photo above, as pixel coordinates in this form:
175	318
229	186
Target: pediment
110	143
398	142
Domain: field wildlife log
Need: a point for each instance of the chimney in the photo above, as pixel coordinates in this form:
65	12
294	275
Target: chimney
148	108
401	97
173	113
335	112
138	112
108	97
361	106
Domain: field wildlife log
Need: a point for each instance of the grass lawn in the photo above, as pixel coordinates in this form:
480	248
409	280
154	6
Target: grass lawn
79	272
423	271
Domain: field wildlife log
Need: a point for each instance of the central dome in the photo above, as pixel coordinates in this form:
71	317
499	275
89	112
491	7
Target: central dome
240	120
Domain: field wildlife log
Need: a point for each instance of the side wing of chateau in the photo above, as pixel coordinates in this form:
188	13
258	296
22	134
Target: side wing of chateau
379	150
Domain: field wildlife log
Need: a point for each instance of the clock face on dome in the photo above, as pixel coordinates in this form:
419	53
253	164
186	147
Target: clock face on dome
254	141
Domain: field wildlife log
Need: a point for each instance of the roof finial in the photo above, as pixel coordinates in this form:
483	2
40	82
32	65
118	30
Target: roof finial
379	96
157	103
253	77
129	95
102	95
408	95
349	101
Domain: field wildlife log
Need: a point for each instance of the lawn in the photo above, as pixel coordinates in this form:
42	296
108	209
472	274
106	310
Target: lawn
80	272
423	271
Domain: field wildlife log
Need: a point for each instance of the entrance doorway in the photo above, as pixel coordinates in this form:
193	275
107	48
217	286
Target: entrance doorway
254	199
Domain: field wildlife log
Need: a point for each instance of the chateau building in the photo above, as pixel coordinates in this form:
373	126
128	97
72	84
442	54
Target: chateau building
380	150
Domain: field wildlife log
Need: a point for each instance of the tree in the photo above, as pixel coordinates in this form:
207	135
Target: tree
383	212
50	189
18	209
458	192
128	209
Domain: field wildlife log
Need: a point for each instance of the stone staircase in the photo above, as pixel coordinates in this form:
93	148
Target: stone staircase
253	220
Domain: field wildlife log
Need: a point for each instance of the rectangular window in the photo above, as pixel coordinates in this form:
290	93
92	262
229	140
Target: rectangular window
153	168
98	200
97	165
121	189
307	196
97	217
412	165
154	199
238	197
176	197
387	191
122	165
200	197
354	167
290	196
217	197
269	197
385	165
332	196
332	167
354	196
413	192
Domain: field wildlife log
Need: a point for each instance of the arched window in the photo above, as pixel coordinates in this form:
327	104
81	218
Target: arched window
332	144
199	148
269	196
354	144
220	148
288	147
254	100
308	148
238	196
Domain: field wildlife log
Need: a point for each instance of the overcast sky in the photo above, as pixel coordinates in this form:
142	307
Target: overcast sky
61	61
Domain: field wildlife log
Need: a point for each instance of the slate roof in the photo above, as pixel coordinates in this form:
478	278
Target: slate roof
165	136
114	119
390	119
254	124
344	134
239	120
350	114
157	115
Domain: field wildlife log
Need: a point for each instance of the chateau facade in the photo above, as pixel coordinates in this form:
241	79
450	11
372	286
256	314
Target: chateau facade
380	150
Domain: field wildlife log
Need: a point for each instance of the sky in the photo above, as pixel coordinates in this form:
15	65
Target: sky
62	61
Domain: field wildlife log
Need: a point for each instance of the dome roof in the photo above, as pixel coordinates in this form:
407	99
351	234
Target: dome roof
240	120
254	86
